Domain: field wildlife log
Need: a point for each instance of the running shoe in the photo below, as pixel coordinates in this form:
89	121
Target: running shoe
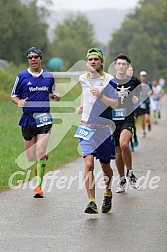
121	186
132	180
107	204
38	193
91	208
149	126
143	134
136	143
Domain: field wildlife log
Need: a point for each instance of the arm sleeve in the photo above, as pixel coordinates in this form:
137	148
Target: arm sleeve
112	89
16	88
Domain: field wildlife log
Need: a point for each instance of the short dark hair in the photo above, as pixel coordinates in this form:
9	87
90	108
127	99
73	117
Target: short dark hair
124	57
34	50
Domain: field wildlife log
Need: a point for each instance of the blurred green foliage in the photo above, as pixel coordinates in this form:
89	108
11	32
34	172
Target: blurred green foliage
143	37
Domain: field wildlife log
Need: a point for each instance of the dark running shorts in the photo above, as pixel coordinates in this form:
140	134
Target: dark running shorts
140	111
28	132
129	125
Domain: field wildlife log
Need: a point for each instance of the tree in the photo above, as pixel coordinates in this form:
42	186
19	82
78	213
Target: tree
165	11
147	20
20	28
73	38
142	54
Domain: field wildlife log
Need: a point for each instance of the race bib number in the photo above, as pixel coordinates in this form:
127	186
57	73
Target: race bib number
84	132
43	119
119	114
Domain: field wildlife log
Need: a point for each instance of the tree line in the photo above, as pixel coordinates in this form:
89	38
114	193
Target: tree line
21	26
142	35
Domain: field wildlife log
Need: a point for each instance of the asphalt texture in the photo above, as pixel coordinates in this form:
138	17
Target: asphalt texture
138	221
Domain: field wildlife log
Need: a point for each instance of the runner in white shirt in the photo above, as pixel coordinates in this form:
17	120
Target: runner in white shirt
95	131
157	93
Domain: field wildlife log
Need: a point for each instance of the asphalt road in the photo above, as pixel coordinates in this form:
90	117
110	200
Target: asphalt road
138	221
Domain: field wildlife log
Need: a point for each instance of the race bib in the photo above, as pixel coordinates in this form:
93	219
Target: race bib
119	114
84	132
43	119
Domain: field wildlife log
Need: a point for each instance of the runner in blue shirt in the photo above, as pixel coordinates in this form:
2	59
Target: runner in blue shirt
31	91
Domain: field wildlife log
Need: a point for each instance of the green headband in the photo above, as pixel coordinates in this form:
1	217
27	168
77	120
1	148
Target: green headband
98	53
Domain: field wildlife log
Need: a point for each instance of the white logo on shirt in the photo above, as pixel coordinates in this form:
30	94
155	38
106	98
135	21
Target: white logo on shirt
29	83
43	88
123	93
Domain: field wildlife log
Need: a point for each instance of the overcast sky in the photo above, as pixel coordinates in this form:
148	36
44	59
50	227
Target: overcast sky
82	5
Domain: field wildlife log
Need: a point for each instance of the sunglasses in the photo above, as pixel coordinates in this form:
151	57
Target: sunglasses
33	56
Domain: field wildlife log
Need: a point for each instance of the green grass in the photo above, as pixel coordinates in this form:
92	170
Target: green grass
11	141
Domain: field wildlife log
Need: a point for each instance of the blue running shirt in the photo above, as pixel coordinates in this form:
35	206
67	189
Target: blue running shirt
37	88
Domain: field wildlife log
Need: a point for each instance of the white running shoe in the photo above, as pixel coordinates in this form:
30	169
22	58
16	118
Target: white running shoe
121	186
132	180
143	134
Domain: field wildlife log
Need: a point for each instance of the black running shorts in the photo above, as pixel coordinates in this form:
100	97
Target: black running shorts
28	132
125	124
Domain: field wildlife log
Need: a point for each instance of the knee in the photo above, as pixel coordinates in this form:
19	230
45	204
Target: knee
41	153
124	146
89	166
